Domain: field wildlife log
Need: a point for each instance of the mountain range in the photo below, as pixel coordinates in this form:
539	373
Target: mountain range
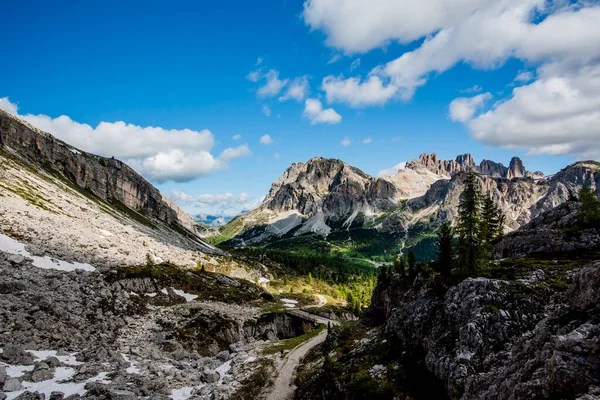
329	202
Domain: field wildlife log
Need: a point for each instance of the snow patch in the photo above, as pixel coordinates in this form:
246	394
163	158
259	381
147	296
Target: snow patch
10	245
187	296
41	355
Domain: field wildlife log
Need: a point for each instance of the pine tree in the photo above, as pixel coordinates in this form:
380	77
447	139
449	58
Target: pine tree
445	251
492	221
412	263
468	227
398	266
589	212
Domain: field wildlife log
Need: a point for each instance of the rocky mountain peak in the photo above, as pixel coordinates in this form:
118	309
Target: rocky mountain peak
516	168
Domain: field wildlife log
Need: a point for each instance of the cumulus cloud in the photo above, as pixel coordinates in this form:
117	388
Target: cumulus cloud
236	137
355	93
313	110
482	33
393	170
463	108
559	113
231	153
266	139
5	104
297	90
346	141
254	76
158	154
225	204
273	84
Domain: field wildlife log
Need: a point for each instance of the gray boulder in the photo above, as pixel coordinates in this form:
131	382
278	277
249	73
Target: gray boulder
12	385
42	372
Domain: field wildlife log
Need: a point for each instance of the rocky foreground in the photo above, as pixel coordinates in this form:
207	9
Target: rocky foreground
152	331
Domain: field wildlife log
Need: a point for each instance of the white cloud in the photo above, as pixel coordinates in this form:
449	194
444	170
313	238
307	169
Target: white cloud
393	170
335	58
355	93
259	61
236	137
158	154
231	153
463	108
273	84
254	76
276	156
367	140
559	113
225	204
524	76
355	64
5	104
266	110
482	33
313	110
297	90
346	141
472	89
266	139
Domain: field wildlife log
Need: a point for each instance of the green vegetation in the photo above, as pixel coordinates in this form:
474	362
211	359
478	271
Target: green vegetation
304	274
589	213
468	228
292	343
445	249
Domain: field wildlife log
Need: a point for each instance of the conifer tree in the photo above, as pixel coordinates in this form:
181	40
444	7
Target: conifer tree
589	213
492	221
412	263
398	266
445	249
468	227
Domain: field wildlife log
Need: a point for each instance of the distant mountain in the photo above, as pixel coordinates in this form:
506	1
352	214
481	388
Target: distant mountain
329	202
212	220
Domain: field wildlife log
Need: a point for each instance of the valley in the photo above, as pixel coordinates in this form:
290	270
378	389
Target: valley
329	289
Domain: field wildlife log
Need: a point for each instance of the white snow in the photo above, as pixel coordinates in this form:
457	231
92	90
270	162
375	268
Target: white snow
56	385
182	393
133	369
15	371
223	369
249	360
262	280
187	296
151	294
164	291
74	151
289	303
104	232
10	245
41	355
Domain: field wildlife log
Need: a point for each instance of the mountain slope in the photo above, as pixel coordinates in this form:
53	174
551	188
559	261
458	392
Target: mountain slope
87	208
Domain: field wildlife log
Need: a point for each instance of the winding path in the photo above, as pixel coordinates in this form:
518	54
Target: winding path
284	387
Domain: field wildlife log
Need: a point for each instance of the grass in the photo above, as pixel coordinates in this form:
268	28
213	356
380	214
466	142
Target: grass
292	343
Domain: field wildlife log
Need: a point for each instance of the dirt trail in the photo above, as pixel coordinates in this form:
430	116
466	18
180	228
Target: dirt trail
284	387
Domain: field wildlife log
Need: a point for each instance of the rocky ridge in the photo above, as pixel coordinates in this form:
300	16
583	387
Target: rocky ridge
337	202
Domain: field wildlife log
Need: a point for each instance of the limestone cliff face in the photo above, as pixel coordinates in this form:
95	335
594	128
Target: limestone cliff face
107	178
331	187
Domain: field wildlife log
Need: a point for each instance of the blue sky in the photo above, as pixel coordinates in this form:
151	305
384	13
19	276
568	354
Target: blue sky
185	65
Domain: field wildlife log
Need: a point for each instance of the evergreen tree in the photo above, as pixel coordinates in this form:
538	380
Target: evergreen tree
589	212
398	266
445	249
492	221
412	263
468	227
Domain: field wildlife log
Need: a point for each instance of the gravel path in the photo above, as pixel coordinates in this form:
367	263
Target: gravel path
284	387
